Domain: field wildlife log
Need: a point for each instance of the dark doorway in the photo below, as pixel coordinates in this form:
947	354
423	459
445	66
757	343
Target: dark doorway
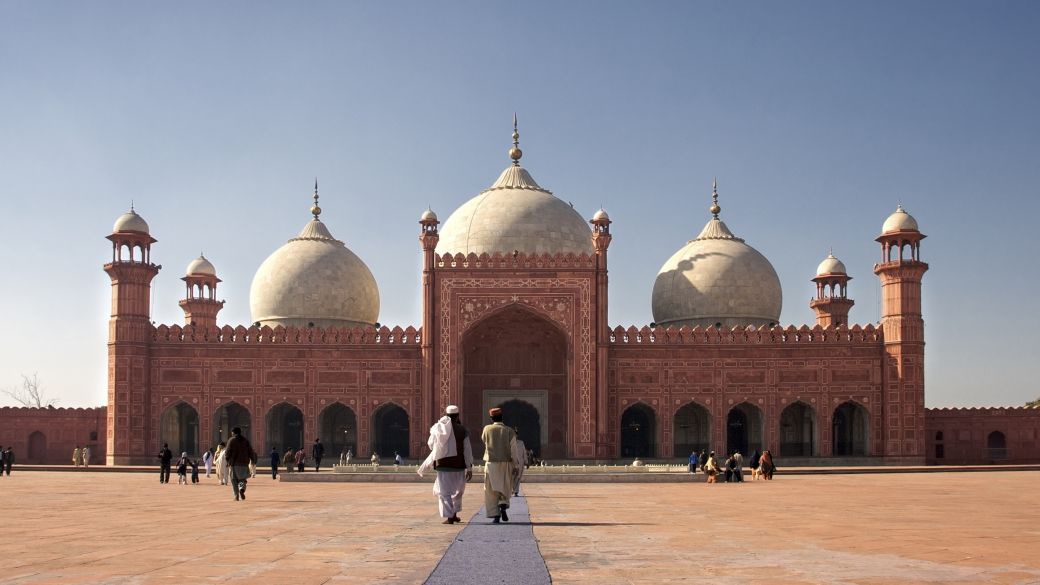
744	429
180	429
996	445
851	429
285	428
798	431
691	429
525	419
338	429
229	416
37	448
517	349
390	424
638	431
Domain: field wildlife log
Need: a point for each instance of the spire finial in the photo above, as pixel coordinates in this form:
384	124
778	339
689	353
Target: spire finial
715	209
315	209
515	153
132	206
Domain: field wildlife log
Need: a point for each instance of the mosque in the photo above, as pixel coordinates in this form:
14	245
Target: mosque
514	296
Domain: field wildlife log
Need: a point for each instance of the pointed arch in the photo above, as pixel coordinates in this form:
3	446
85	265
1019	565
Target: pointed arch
798	430
638	431
390	424
337	427
228	416
850	429
285	427
691	429
179	428
744	429
37	448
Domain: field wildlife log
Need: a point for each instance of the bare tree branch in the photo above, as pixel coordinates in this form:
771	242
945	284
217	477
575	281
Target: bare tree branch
31	393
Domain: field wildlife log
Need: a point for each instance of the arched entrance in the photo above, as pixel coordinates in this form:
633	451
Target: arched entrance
851	430
229	416
37	447
390	431
337	427
638	431
516	354
285	428
691	429
996	445
798	431
179	427
525	419
744	429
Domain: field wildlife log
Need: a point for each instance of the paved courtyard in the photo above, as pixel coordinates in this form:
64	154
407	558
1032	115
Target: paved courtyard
115	528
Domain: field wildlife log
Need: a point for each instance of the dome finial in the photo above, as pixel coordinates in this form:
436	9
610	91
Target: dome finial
715	209
132	206
314	208
515	153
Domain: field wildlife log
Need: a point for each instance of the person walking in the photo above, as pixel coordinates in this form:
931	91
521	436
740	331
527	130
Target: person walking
766	465
165	458
499	464
220	460
348	457
77	456
276	460
239	454
711	467
738	467
182	468
194	471
207	461
86	456
703	459
301	459
693	462
317	452
8	460
289	459
755	457
3	460
451	456
521	458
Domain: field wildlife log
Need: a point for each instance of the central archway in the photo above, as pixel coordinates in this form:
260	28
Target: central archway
338	429
524	417
798	431
517	355
229	416
744	429
638	431
850	429
691	430
180	429
390	431
285	428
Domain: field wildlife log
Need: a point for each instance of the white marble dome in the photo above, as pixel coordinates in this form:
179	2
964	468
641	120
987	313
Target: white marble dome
515	213
899	221
314	280
201	265
717	279
830	265
130	222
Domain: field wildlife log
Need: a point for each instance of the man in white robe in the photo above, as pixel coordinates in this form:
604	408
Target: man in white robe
500	463
454	465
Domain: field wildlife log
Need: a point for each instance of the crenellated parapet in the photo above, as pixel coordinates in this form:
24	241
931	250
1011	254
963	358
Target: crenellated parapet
993	411
516	260
292	335
744	336
52	411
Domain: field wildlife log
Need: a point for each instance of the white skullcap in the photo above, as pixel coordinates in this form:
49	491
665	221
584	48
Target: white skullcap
452	409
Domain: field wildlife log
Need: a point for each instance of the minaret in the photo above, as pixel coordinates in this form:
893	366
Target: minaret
601	241
129	340
428	238
832	303
901	271
200	302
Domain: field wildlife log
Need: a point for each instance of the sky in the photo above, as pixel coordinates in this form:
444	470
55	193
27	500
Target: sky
818	118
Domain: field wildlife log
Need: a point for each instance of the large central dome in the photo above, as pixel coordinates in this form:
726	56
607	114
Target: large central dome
314	280
515	213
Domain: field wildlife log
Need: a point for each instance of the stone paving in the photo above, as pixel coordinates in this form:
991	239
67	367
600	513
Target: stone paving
113	528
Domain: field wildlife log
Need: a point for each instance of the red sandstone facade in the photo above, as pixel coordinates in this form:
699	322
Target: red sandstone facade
49	435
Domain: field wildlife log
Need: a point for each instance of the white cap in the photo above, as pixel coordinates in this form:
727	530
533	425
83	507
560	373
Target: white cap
452	409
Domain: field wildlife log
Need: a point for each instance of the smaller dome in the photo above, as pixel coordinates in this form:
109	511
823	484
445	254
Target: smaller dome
900	221
201	266
130	222
830	265
601	215
428	215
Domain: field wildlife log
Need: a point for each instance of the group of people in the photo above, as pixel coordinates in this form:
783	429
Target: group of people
451	456
6	460
81	457
732	469
297	458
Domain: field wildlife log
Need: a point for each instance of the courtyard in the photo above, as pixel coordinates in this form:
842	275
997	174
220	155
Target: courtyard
112	528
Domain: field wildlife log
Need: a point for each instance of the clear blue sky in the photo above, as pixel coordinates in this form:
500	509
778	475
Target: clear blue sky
817	117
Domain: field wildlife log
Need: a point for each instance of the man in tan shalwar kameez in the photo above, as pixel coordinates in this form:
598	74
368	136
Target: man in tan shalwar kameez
499	466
